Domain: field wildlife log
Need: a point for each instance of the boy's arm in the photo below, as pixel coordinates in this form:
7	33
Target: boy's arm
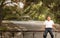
43	26
54	26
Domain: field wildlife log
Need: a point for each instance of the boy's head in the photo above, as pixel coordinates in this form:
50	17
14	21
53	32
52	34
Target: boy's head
48	18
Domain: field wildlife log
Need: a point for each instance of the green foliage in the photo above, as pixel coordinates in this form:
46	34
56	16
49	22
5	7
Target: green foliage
48	7
37	10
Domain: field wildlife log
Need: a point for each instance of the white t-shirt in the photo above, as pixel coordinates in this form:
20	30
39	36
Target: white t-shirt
49	24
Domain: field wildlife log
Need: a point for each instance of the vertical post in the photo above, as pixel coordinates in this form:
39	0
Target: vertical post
1	34
23	34
12	34
55	34
33	34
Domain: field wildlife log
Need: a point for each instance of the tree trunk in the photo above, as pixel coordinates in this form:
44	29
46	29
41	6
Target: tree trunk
1	10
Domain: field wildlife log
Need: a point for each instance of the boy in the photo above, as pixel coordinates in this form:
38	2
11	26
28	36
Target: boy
48	27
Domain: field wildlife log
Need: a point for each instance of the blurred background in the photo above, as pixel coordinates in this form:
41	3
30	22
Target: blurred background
25	10
24	18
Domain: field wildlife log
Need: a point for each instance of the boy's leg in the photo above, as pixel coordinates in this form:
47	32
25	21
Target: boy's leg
45	33
51	33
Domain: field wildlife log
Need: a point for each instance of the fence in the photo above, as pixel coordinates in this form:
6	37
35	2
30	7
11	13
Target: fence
25	34
33	30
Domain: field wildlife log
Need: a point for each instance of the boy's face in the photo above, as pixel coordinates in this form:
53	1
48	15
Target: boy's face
48	18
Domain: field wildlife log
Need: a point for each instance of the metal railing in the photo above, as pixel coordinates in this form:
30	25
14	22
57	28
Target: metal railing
13	32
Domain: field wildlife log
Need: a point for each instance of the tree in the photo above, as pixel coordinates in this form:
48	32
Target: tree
2	4
1	9
48	7
35	9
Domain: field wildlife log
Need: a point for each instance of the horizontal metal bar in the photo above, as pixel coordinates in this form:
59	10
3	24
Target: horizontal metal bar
24	31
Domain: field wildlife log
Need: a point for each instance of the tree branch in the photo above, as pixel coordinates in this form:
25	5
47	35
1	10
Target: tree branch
2	3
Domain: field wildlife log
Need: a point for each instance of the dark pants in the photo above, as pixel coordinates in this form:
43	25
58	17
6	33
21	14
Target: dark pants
48	30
